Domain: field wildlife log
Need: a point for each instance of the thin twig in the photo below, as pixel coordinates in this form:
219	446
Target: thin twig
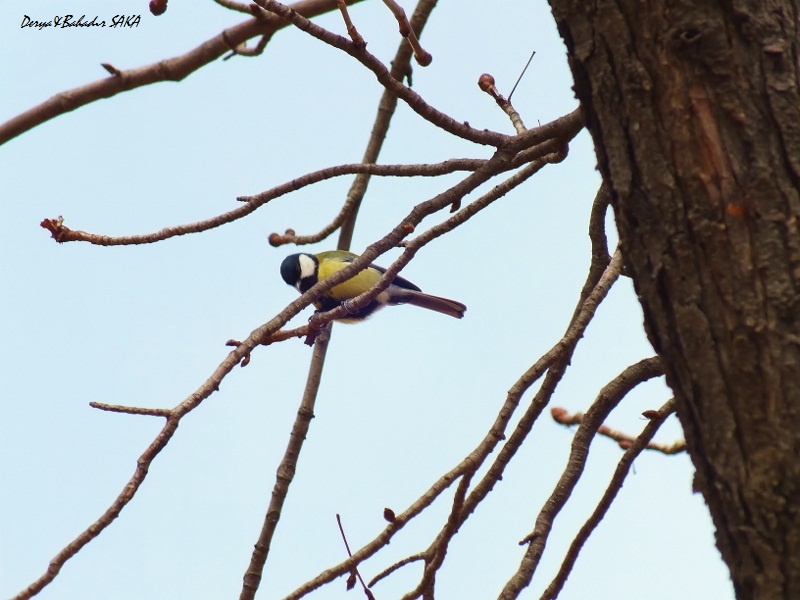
169	69
496	164
243	50
409	96
286	469
597	236
562	350
492	195
486	83
411	248
61	233
521	75
132	410
568	128
144	462
438	550
364	586
351	29
642	441
555	363
392	568
111	69
401	69
278	336
422	56
257	563
562	417
608	398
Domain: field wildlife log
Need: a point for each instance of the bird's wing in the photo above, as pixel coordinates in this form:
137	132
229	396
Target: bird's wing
348	257
398	281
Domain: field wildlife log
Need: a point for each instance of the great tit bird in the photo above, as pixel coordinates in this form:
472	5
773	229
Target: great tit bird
304	270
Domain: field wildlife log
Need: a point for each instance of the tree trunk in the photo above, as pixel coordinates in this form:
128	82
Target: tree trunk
694	108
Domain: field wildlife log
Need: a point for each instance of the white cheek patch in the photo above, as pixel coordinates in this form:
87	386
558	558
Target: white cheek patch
307	267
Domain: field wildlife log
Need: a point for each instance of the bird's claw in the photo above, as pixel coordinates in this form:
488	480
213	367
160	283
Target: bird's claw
346	305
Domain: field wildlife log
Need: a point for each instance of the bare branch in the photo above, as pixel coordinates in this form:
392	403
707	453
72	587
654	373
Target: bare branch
143	463
61	233
597	235
568	127
486	83
473	461
212	384
557	155
564	128
437	551
409	96
401	70
351	29
286	469
278	336
358	188
355	572
109	515
170	69
555	363
606	401
132	410
422	56
644	440
257	562
243	50
624	440
391	569
411	248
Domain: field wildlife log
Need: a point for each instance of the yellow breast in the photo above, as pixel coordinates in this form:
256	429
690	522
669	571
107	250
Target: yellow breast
353	286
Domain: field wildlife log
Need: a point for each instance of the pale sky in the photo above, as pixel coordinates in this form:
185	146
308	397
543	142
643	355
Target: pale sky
404	397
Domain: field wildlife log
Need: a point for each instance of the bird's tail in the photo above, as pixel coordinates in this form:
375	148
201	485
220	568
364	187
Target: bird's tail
423	300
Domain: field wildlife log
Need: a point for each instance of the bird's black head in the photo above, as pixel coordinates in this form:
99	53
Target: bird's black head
300	271
290	269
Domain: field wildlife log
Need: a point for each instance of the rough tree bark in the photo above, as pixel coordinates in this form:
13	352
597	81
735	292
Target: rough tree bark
694	108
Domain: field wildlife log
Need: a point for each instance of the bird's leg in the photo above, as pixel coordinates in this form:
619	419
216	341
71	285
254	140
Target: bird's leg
314	320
